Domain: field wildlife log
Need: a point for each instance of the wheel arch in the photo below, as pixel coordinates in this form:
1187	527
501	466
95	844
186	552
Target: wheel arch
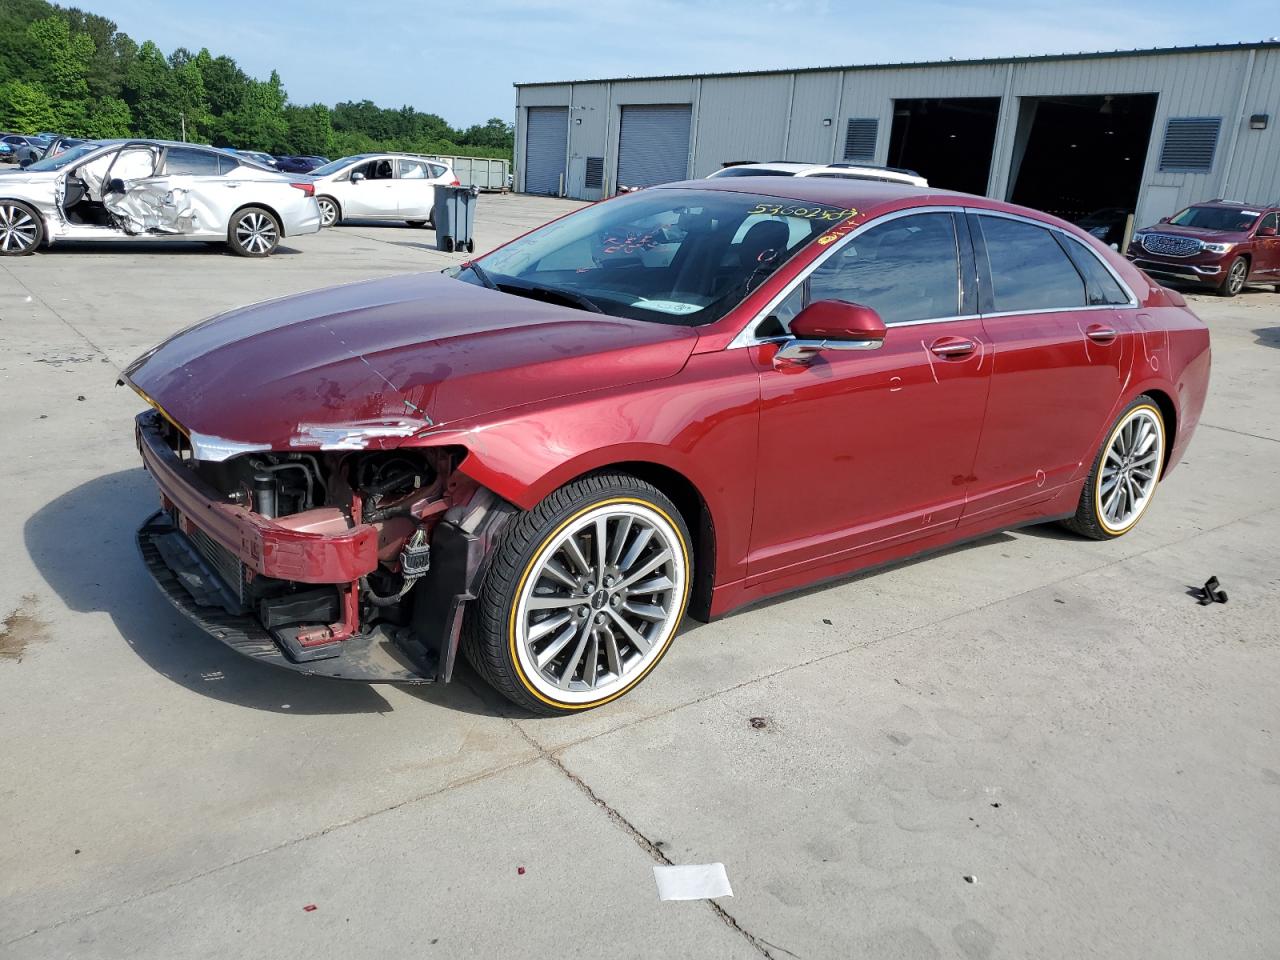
697	517
261	206
1169	414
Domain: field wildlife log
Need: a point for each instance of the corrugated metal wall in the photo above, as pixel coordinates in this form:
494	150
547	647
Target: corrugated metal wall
546	140
784	115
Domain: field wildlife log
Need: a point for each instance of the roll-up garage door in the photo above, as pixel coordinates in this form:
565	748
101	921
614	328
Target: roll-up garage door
653	144
546	141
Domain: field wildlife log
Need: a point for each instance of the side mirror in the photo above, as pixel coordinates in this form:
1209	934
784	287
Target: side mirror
832	325
26	161
1266	231
115	185
1166	219
357	176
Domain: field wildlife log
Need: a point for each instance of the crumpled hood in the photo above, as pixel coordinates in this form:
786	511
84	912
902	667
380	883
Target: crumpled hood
385	359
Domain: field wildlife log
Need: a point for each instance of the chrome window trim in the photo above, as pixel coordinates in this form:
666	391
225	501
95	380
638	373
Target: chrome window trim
747	338
1133	300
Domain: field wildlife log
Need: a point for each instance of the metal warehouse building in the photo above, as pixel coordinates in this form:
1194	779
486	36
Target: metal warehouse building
1146	130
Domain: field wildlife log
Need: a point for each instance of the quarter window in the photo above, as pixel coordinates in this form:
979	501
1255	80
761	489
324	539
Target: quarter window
226	164
1101	287
905	269
1029	270
412	169
184	161
1271	220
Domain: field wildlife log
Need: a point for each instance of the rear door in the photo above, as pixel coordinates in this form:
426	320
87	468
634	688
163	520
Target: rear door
1060	324
415	189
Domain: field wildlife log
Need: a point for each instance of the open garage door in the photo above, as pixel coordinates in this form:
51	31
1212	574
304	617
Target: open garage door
546	143
1081	158
948	141
653	144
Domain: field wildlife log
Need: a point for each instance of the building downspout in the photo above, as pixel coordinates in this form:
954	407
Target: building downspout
791	109
691	167
1229	159
835	121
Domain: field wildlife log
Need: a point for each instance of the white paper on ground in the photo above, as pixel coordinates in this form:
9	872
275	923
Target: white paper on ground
693	881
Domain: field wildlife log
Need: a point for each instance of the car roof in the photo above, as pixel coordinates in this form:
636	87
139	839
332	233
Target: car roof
868	197
1235	205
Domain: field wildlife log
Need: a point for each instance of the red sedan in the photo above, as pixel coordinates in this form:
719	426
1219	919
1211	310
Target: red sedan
682	399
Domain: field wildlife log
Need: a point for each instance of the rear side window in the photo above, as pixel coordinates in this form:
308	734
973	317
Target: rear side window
1029	270
1101	287
226	164
905	269
412	169
184	161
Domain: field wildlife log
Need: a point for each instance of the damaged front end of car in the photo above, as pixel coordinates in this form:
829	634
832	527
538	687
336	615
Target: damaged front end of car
347	555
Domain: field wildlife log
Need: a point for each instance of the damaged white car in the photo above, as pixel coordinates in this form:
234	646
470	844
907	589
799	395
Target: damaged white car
153	190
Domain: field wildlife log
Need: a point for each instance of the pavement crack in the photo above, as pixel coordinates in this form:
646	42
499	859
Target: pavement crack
292	841
1239	433
67	323
645	844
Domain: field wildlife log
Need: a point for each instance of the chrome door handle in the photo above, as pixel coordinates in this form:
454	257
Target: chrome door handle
952	347
231	186
1100	334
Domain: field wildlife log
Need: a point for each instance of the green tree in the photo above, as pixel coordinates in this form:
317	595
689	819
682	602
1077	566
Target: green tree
109	119
62	59
26	107
310	130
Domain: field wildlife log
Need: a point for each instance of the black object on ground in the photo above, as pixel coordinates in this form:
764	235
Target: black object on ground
1211	592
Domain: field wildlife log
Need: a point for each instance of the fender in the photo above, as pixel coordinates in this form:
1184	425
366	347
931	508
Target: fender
704	427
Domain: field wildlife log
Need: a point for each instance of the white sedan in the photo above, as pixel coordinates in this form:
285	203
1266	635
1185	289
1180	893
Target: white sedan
152	190
380	186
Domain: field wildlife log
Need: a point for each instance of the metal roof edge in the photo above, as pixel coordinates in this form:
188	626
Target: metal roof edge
981	61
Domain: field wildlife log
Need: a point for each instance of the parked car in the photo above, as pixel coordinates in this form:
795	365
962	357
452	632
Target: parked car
152	190
380	186
1223	244
695	396
1107	224
17	143
300	164
257	156
844	171
6	153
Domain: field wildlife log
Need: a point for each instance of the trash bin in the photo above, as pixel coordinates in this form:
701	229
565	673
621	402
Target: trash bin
454	215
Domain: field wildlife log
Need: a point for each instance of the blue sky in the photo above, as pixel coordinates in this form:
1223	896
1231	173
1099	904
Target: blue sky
459	60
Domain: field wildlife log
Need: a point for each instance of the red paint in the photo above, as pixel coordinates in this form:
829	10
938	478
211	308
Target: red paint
808	471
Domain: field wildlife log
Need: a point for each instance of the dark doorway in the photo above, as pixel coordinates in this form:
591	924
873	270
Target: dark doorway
1081	158
949	142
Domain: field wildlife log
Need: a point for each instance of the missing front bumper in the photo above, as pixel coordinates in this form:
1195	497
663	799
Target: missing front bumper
382	655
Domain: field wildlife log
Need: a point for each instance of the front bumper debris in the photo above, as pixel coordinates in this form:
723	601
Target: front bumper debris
191	585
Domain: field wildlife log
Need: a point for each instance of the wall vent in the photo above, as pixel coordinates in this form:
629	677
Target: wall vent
860	139
1190	143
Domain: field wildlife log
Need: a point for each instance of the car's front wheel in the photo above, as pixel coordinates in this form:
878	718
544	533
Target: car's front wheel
254	232
1235	278
330	212
21	230
582	596
1124	475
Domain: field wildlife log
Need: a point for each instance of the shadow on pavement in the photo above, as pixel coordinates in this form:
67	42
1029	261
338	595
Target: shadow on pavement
1268	336
171	248
83	544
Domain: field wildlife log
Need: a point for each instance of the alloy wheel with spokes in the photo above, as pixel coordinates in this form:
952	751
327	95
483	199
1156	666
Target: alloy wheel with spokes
254	233
585	596
1125	474
328	211
20	230
1236	276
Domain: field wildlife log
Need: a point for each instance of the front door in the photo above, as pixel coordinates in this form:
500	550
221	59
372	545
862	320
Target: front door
375	195
1062	331
862	450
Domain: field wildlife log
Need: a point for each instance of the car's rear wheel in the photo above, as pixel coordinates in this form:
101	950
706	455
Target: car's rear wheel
21	230
1124	475
330	212
1235	278
254	232
582	596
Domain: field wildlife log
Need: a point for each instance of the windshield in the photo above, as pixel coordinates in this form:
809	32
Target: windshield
669	256
60	160
1217	218
333	167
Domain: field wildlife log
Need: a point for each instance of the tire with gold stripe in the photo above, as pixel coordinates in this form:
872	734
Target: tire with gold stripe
1124	475
582	596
